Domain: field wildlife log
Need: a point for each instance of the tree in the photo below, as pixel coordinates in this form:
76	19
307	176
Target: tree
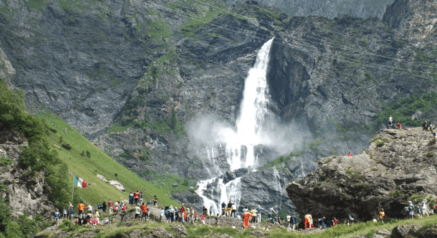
13	230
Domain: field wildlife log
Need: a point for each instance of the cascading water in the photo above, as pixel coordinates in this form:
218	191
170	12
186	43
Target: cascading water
247	135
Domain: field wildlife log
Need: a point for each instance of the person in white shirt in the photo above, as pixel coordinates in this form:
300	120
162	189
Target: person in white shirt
137	211
390	121
161	214
234	210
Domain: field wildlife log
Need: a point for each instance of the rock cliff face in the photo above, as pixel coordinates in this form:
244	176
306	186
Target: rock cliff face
24	193
398	166
413	20
328	9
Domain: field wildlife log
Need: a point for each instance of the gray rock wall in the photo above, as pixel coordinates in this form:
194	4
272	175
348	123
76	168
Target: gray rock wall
325	8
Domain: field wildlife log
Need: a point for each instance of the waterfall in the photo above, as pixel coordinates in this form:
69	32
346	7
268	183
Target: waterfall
241	142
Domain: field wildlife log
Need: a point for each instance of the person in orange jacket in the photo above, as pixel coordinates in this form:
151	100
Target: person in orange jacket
136	197
81	207
335	222
246	218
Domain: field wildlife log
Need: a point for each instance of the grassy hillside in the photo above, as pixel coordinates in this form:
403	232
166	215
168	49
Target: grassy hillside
98	163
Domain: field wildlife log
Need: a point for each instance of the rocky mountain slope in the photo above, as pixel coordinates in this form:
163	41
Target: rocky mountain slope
399	166
328	9
133	75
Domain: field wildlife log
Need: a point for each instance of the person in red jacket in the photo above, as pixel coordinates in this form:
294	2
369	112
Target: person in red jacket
335	222
181	211
84	184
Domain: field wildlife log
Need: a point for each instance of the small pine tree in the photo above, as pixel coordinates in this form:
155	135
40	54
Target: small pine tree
13	230
88	154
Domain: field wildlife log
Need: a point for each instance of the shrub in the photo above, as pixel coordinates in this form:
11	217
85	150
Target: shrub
67	146
5	161
13	230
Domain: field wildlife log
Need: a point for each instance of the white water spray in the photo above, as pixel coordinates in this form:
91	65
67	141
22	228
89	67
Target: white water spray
247	135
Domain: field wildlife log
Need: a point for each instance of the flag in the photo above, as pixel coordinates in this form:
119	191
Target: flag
78	182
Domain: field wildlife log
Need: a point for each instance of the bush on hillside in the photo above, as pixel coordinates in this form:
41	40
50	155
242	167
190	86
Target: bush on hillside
37	155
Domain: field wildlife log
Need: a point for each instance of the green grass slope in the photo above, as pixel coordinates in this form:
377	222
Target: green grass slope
98	163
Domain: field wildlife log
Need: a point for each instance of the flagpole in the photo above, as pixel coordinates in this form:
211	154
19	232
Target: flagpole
72	191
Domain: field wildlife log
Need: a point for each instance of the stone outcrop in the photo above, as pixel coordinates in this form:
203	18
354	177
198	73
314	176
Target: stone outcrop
24	193
397	165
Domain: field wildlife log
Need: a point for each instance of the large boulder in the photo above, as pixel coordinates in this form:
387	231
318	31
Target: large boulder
397	165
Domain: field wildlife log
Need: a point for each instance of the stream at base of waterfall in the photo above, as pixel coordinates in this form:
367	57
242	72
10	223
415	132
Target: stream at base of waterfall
241	141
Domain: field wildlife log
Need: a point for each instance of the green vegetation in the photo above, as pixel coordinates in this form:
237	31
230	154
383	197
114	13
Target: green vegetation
430	154
38	156
403	109
165	181
395	193
355	176
379	141
5	161
97	163
37	4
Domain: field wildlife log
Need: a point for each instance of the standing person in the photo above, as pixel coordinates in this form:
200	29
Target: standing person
399	126
65	213
210	211
381	215
111	207
90	209
410	210
137	197
322	223
223	208
254	214
96	217
176	214
168	214
205	210
171	213
131	198
71	212
71	208
116	207
141	198
155	201
234	210
193	217
138	212
293	221
271	213
289	220
260	211
161	214
104	207
229	208
80	208
217	219
335	222
390	122
246	218
307	221
182	211
57	215
351	219
202	219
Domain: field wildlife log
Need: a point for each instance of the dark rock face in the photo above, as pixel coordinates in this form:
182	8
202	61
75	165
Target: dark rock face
397	165
328	9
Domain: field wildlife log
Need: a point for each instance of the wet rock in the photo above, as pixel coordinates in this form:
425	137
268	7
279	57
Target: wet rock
160	232
175	185
382	234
